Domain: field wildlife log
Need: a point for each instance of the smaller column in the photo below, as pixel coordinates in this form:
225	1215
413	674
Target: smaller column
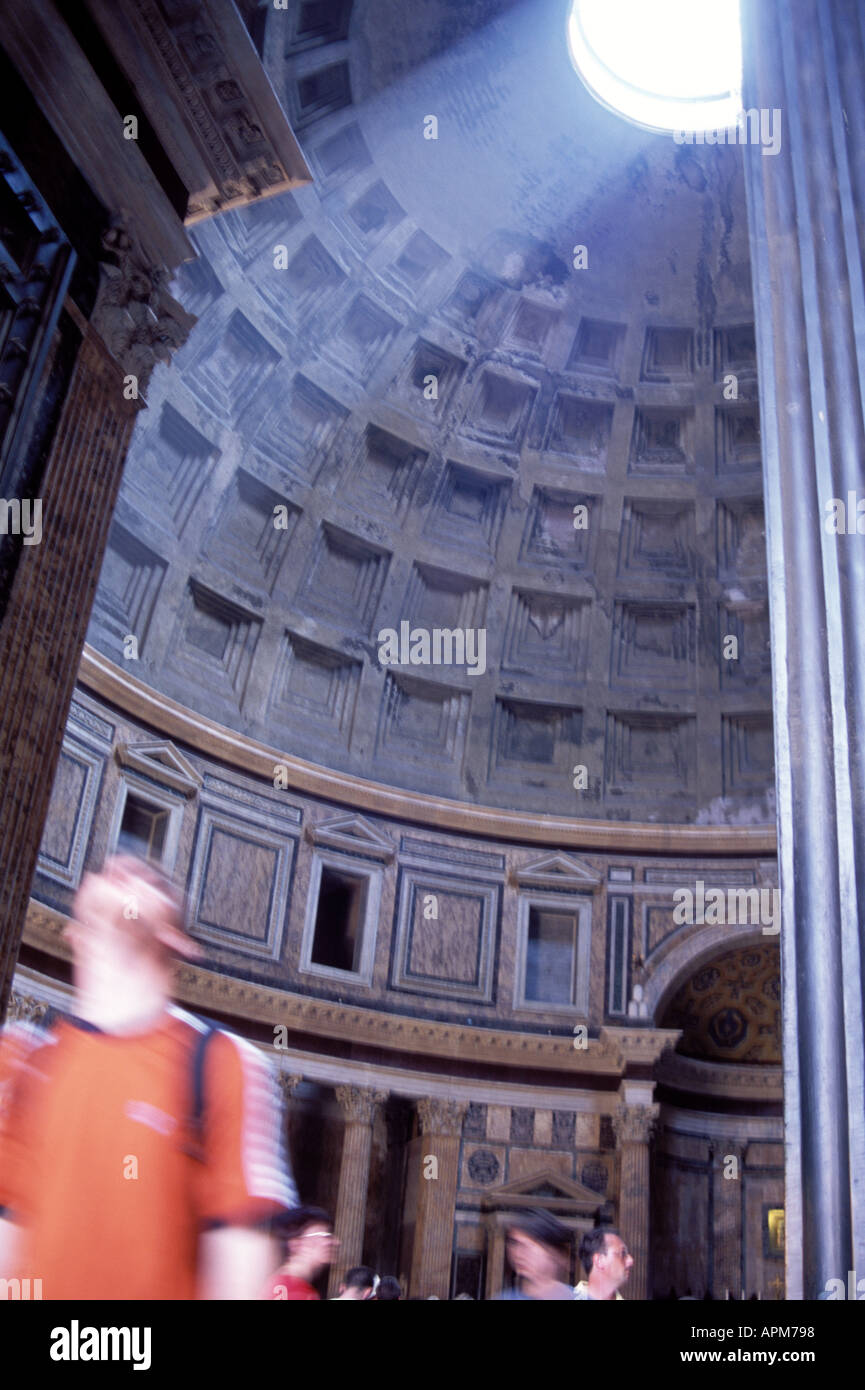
633	1126
441	1123
358	1105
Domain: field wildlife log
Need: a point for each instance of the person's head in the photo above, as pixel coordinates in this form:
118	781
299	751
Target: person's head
309	1240
128	910
538	1246
605	1258
388	1289
358	1284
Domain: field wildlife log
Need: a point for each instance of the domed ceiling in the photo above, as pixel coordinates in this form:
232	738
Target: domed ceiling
492	373
730	1009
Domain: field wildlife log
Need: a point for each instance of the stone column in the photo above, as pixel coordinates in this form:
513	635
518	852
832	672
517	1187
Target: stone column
633	1125
135	323
441	1123
358	1105
805	67
726	1273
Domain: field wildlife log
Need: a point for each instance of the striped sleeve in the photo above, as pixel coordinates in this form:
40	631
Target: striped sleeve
246	1177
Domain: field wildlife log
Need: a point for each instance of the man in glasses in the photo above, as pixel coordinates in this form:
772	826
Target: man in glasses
310	1247
607	1264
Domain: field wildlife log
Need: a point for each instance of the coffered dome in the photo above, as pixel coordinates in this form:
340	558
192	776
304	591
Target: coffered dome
492	373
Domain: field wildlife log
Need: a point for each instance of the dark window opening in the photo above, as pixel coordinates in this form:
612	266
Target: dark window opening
551	956
142	829
338	935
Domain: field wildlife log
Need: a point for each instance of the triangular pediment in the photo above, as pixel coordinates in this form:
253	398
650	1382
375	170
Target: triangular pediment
159	760
542	1188
557	871
352	833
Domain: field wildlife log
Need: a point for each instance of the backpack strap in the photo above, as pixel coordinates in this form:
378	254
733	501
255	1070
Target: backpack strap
196	1113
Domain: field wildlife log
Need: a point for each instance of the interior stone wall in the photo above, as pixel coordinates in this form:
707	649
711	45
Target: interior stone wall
445	930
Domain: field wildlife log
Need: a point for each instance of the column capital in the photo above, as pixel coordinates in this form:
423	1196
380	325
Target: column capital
135	316
26	1008
358	1103
438	1116
635	1124
288	1083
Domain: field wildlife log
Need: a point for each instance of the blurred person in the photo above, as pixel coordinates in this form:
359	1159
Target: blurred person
388	1289
538	1249
358	1285
141	1148
607	1264
310	1246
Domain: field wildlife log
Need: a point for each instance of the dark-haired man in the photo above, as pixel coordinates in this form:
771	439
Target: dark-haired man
607	1264
309	1248
538	1250
141	1148
357	1286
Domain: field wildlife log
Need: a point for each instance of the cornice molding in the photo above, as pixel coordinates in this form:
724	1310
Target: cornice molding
141	702
199	988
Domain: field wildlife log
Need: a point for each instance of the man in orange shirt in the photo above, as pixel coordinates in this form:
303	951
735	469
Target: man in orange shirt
141	1148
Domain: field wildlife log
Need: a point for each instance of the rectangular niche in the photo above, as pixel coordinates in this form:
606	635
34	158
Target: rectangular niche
300	434
252	230
443	599
547	635
668	355
376	212
239	882
658	538
580	429
310	277
747	742
551	536
342	911
418	260
748	622
363	338
232	367
597	348
343	578
533	742
530	328
662	443
554	936
500	409
318	22
244	541
385	473
147	821
468	508
736	352
128	589
649	755
618	953
741	538
422	720
737	439
445	936
654	645
469	305
314	684
427	381
214	643
170	470
318	93
342	154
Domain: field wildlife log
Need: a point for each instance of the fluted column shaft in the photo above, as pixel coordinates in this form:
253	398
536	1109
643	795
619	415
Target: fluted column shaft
358	1105
441	1124
727	1181
633	1126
